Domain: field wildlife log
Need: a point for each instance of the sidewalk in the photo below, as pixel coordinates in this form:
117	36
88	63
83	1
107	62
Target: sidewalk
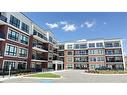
7	77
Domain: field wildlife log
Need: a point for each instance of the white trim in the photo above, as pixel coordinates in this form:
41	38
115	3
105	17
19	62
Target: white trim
10	55
124	64
25	49
9	61
18	37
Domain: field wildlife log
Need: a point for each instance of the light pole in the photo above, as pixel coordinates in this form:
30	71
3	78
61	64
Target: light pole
9	71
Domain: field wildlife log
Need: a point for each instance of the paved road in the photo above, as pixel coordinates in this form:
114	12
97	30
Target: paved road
74	76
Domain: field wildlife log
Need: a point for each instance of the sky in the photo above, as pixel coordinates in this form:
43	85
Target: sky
69	26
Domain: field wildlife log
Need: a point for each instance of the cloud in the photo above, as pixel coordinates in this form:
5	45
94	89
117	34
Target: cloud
89	24
69	27
53	25
82	25
63	22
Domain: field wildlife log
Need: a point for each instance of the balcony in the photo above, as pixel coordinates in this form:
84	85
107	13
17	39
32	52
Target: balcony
39	58
3	18
40	48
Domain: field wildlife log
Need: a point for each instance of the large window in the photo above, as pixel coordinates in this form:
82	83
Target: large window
92	59
77	46
14	21
69	46
99	44
69	59
8	63
98	51
50	39
91	45
100	58
11	50
81	59
13	35
117	51
82	46
70	53
24	39
109	52
25	27
23	52
81	52
70	66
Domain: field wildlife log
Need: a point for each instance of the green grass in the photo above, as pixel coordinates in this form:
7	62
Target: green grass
46	75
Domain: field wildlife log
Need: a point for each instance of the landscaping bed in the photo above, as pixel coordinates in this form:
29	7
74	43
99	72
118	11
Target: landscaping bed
45	75
107	72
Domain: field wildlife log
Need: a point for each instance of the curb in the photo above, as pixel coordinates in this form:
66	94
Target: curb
42	78
102	74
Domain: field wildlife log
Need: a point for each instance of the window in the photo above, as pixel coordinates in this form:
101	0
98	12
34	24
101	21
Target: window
100	58
11	50
81	59
69	46
14	21
69	59
91	45
81	52
13	35
108	44
8	63
23	52
22	65
116	44
92	59
83	46
25	27
100	51
34	32
76	46
118	59
70	53
110	59
117	51
24	39
50	39
109	52
70	66
61	47
99	44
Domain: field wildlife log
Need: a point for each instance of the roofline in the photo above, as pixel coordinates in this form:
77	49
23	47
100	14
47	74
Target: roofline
97	39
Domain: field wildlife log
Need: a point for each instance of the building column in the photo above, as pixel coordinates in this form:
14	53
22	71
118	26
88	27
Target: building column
61	66
56	67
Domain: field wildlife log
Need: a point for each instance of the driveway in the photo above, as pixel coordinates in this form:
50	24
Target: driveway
74	76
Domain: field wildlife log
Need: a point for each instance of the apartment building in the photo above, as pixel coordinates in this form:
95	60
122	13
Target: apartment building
92	54
25	45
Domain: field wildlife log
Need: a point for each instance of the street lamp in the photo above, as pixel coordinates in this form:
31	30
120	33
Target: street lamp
9	71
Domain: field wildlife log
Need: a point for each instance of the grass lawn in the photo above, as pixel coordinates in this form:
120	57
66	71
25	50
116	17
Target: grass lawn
111	72
45	75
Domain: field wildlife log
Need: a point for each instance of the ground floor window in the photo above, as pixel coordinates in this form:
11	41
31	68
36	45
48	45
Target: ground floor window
50	66
8	63
15	65
22	65
70	66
